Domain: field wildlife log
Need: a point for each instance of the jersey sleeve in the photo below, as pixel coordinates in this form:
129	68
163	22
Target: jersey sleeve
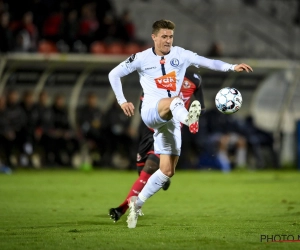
124	68
200	61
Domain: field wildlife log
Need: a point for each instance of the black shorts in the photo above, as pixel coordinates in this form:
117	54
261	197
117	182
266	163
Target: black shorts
145	148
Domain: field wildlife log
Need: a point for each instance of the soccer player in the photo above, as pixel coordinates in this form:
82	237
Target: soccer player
161	70
147	161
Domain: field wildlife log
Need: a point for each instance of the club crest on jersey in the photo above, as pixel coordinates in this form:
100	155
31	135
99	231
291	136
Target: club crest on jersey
174	62
186	84
167	81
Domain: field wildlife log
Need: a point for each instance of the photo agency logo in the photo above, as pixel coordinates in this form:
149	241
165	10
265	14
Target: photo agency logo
279	238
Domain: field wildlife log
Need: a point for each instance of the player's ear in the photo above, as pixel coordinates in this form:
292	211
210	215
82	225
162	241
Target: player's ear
153	37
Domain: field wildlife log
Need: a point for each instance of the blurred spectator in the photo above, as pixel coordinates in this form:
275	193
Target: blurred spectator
89	122
119	143
64	142
29	143
258	139
107	31
17	122
224	147
6	35
102	8
70	28
107	18
88	24
6	133
126	28
26	34
40	11
5	169
52	26
44	128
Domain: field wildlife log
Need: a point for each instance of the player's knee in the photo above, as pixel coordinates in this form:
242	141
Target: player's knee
168	173
166	105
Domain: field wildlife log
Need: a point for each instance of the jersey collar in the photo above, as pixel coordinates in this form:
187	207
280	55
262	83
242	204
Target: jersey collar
153	50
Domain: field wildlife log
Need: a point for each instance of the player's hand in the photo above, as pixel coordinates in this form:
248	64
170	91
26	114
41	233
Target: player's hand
128	108
243	67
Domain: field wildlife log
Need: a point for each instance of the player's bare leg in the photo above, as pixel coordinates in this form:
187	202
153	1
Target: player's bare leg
151	166
167	108
154	184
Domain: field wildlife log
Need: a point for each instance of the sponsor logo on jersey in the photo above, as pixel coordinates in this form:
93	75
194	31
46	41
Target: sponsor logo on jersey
150	68
167	81
131	58
174	62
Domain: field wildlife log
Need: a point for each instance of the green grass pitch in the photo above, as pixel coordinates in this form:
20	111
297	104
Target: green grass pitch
201	210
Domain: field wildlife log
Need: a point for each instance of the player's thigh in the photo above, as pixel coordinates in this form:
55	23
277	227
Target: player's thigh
150	115
156	114
163	108
167	138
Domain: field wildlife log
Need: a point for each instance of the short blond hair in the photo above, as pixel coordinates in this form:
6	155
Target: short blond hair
162	24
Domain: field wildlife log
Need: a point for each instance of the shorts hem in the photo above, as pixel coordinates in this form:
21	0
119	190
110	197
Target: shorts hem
166	153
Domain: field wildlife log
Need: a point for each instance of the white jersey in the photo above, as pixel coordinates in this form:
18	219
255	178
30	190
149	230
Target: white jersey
161	77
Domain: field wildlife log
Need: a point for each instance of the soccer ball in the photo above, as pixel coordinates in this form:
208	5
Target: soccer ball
228	100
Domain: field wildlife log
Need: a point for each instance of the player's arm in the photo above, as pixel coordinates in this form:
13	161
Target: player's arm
115	76
218	65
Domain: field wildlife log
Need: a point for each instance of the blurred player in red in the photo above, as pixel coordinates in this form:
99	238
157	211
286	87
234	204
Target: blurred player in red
147	161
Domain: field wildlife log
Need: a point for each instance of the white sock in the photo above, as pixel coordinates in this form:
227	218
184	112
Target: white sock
154	184
178	110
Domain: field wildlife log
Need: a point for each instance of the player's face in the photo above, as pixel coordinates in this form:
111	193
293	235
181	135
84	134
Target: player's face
163	41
